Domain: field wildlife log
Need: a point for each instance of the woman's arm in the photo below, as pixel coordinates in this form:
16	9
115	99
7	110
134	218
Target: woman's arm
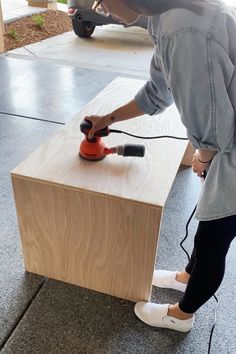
128	111
205	156
201	161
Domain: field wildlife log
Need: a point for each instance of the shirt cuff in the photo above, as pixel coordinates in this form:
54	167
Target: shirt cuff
145	104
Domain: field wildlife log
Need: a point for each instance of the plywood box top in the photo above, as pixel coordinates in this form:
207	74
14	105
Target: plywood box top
144	180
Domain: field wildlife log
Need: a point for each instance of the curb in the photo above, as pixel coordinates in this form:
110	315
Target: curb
19	17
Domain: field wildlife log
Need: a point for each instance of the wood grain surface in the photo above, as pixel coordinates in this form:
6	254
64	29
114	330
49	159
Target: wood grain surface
145	180
188	155
95	242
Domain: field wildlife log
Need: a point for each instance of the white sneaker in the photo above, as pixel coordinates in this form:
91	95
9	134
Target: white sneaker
156	315
166	279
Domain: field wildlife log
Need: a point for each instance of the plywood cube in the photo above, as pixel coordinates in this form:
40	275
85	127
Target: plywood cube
96	224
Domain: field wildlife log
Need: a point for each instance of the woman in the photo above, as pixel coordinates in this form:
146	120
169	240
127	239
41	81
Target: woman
194	66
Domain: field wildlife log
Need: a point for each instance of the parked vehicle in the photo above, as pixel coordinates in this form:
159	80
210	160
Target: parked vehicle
84	19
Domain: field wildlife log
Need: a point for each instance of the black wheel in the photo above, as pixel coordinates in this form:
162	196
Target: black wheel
83	29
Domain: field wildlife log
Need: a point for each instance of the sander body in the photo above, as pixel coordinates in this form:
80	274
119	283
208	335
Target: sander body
95	149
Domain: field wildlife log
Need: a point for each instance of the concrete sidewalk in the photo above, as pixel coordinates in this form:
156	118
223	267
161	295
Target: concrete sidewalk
15	9
111	48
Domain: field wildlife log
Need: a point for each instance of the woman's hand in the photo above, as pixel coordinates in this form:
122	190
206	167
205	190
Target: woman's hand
198	166
98	123
128	111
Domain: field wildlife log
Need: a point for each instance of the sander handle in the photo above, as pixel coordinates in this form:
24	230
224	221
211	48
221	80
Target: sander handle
86	125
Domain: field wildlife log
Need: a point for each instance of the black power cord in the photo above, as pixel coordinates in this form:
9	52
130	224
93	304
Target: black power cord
148	137
215	297
187	224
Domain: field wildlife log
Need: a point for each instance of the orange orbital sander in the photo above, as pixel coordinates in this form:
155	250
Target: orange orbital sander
94	149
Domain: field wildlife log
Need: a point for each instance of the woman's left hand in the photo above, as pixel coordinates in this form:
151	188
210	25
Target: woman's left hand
199	167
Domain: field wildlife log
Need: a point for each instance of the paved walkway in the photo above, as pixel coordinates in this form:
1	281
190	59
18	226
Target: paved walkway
15	9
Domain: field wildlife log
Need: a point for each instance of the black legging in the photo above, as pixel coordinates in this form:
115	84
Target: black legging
207	264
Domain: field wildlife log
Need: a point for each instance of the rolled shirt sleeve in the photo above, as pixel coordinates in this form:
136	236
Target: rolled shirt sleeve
155	95
200	73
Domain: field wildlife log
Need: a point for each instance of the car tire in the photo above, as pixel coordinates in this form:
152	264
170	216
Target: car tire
83	29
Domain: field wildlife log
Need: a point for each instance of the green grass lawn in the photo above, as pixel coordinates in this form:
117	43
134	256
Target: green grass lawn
62	1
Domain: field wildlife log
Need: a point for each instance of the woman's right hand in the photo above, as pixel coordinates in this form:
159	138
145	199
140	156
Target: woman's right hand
98	123
128	111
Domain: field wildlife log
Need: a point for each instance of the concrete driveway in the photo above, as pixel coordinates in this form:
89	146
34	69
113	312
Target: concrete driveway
111	48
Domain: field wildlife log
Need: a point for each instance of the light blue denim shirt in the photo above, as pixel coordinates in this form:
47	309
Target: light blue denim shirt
194	65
